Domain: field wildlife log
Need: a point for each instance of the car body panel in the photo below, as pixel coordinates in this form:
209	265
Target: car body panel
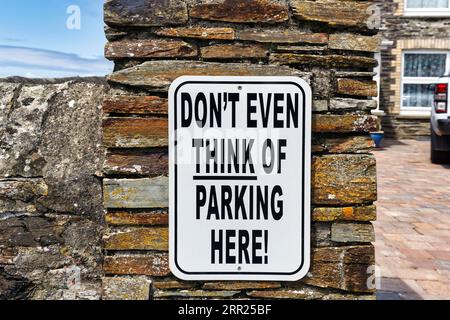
439	121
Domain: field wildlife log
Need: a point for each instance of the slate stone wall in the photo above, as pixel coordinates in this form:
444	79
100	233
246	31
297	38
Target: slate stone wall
51	214
329	43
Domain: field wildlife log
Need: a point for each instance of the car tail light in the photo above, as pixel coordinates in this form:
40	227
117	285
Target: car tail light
440	97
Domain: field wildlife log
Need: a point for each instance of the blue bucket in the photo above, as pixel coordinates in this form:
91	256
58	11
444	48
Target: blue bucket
377	137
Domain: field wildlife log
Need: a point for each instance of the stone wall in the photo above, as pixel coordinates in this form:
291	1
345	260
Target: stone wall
328	43
51	215
398	127
399	33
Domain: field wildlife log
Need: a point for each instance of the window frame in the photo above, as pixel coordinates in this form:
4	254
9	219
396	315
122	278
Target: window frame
419	80
377	79
426	12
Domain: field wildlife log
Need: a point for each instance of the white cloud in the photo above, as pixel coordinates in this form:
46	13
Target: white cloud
47	63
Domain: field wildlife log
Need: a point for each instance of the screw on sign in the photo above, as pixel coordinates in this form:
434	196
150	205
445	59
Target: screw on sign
240	151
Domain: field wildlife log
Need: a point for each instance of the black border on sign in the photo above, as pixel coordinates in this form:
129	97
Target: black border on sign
303	178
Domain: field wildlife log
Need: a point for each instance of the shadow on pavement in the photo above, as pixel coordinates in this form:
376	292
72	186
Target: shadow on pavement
387	143
396	289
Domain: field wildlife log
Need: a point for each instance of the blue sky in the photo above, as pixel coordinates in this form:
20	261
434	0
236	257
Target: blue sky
36	42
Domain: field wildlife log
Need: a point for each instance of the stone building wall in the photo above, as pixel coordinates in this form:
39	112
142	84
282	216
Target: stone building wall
399	33
330	44
51	214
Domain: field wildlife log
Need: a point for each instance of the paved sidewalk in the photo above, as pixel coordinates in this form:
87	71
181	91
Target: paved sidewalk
413	227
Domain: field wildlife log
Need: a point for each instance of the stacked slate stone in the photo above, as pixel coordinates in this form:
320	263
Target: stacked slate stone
329	43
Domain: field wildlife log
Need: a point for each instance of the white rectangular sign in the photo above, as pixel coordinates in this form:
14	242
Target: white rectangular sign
240	150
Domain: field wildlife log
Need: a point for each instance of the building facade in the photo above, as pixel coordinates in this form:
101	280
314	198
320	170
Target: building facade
415	52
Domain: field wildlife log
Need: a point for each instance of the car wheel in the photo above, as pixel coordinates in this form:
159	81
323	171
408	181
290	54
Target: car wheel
438	157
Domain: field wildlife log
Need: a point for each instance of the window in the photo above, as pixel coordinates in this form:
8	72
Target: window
420	70
427	7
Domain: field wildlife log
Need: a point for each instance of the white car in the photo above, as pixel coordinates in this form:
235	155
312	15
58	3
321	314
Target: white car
440	123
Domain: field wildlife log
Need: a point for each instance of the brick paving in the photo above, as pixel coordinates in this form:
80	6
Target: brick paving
413	227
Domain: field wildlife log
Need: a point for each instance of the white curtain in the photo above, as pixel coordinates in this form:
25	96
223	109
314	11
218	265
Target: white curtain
418	95
427	4
424	65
